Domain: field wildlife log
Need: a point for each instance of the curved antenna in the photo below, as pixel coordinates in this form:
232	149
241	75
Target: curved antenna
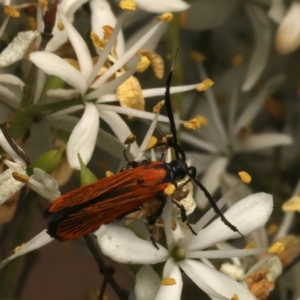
212	201
169	107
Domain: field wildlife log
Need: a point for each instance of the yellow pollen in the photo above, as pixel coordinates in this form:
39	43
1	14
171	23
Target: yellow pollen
292	204
235	297
276	248
166	138
99	43
272	229
245	177
168	281
195	123
107	30
109	173
237	60
167	17
173	224
18	248
20	177
127	5
11	12
60	25
158	106
197	56
152	142
44	3
130	140
204	85
250	245
170	189
143	64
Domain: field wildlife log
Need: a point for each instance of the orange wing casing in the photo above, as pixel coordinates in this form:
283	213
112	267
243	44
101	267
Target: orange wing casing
85	209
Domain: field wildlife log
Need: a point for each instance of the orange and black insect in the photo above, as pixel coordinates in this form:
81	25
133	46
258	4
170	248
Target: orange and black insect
85	209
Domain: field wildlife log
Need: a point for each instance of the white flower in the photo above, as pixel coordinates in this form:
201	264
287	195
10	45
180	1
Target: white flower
85	78
288	33
221	141
122	245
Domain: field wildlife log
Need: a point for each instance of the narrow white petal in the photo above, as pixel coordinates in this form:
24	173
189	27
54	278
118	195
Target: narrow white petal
211	179
171	270
147	137
9	98
199	16
263	37
80	47
157	6
62	94
247	215
135	113
52	64
44	184
102	15
8	185
127	55
17	48
256	142
9	150
40	240
288	34
277	10
214	283
119	127
218	254
83	137
11	79
251	111
147	283
168	223
122	245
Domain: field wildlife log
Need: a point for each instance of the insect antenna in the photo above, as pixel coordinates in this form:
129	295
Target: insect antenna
214	205
169	109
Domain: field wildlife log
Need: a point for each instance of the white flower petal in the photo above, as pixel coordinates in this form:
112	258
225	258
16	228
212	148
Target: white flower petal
251	111
214	283
157	6
263	37
8	185
44	184
199	17
9	150
80	47
9	98
247	215
147	284
40	240
230	253
277	10
127	55
171	270
122	245
62	94
211	180
119	127
102	15
52	64
17	48
256	142
11	79
288	34
83	138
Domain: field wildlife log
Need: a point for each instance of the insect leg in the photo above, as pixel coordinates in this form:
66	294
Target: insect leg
183	215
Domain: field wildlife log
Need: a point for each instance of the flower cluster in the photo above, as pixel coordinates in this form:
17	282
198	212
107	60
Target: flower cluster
78	81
